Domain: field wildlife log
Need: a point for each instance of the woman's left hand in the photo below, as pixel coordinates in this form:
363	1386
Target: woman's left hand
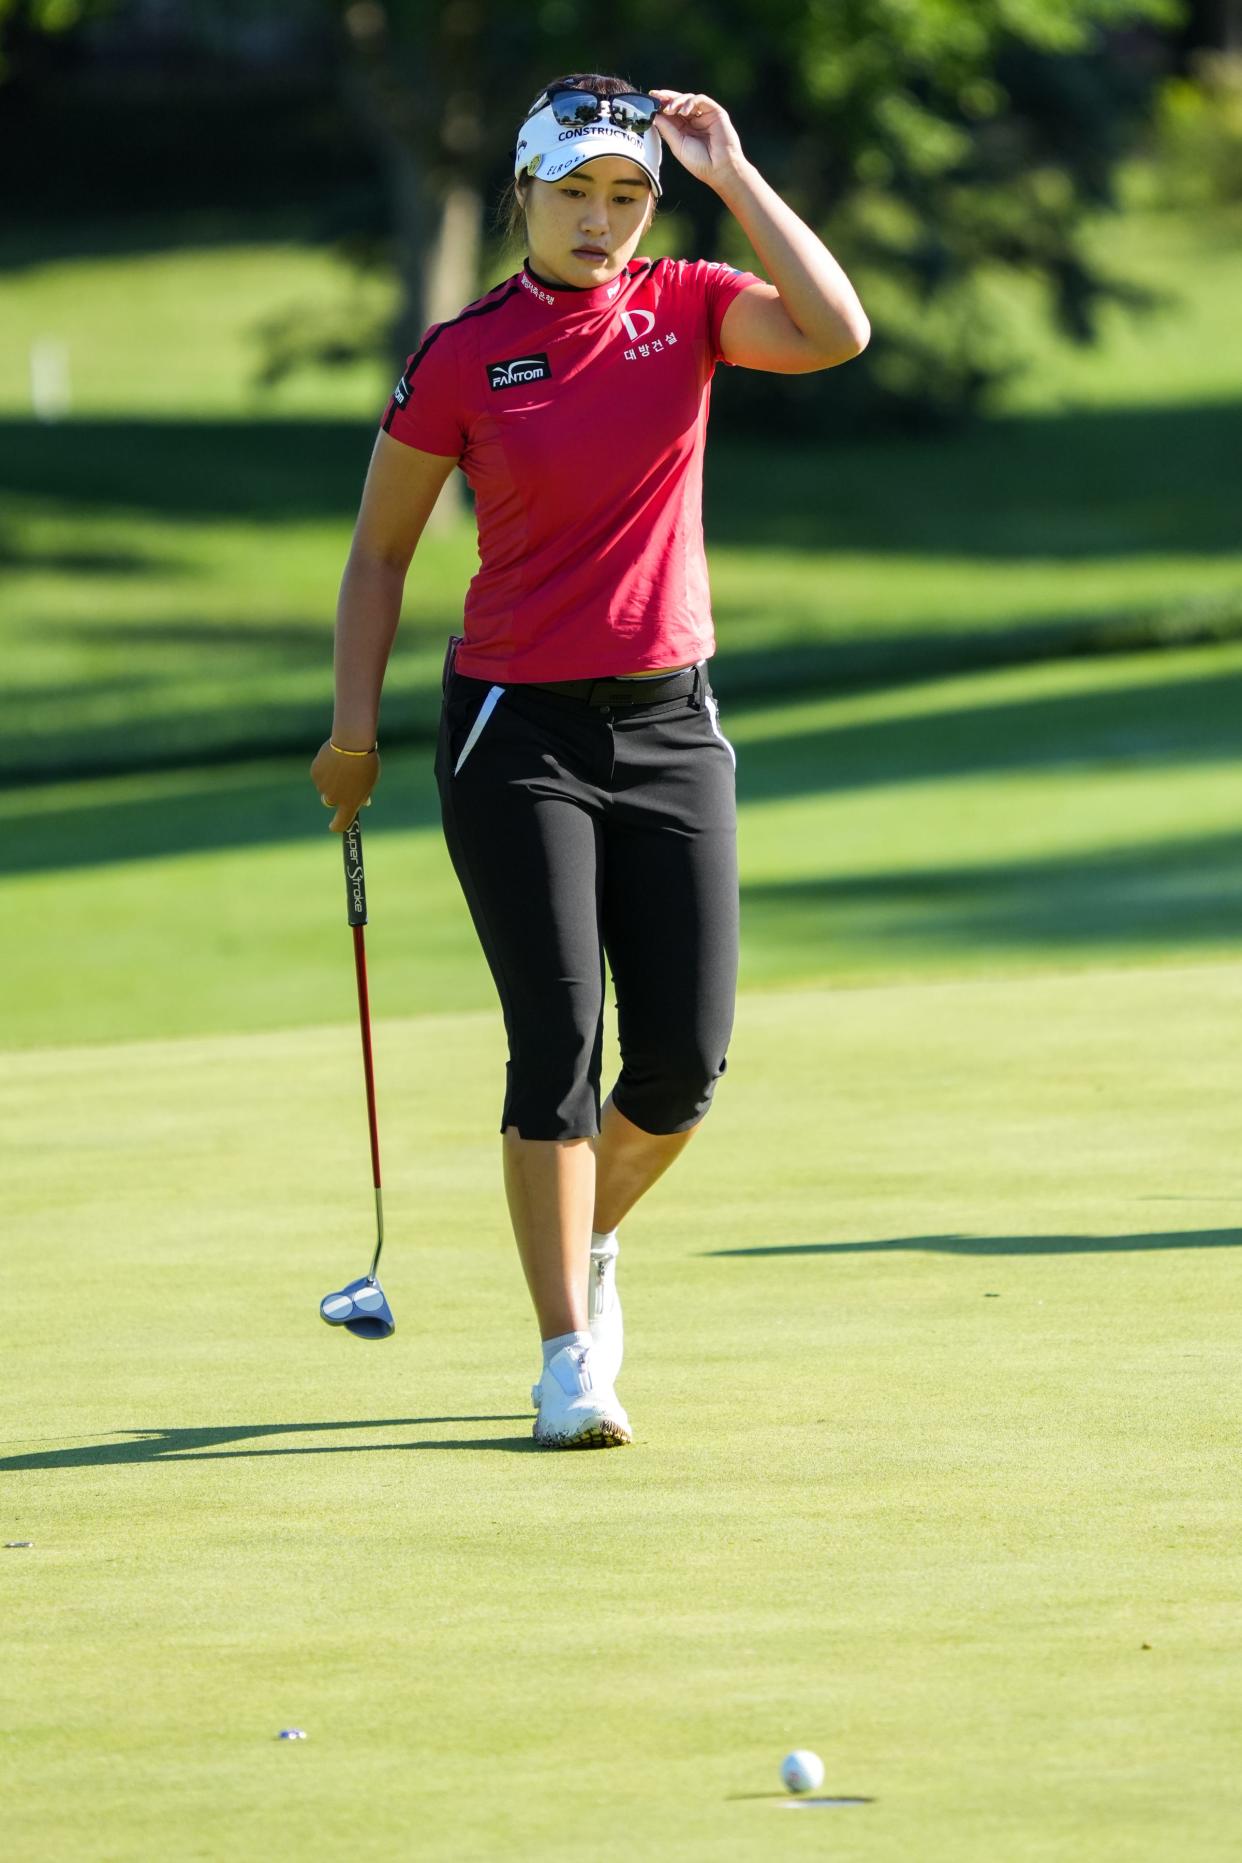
698	131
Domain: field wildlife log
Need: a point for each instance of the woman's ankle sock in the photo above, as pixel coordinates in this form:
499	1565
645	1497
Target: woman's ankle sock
552	1346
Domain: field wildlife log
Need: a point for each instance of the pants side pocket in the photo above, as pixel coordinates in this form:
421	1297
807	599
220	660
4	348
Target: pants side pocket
450	654
485	711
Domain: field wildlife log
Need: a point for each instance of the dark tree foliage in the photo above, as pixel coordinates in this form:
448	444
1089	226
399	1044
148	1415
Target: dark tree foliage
927	141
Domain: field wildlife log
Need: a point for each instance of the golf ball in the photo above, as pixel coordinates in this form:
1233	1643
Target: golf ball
291	1733
802	1771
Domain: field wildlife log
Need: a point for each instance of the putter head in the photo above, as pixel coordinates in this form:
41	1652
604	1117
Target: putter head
361	1308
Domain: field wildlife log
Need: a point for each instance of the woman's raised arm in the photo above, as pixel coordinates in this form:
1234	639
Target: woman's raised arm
809	317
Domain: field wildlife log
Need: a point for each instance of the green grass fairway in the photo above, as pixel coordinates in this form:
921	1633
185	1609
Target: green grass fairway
932	1332
933	1366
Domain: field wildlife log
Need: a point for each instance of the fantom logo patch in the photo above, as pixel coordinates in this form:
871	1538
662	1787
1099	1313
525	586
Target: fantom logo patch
519	370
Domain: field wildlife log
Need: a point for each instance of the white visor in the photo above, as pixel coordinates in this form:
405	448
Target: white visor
549	151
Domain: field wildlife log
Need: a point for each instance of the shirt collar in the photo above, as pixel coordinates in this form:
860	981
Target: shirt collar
578	297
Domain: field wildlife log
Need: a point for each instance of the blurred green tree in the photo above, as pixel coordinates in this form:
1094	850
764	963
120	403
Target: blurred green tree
1198	143
926	140
29	28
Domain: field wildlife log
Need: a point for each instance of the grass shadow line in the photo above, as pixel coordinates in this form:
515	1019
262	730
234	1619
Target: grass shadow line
205	1444
982	1247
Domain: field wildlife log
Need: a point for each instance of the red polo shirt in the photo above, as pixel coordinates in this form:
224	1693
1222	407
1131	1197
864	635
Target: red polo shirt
579	419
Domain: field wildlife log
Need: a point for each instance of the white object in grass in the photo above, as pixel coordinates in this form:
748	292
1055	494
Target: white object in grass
802	1771
50	395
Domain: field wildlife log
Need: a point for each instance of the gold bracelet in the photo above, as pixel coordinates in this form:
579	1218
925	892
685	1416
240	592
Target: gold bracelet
352	753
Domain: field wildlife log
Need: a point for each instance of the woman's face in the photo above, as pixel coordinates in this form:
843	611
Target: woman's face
604	204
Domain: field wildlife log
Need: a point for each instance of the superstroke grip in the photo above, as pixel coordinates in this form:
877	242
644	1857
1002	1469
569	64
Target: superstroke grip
355	877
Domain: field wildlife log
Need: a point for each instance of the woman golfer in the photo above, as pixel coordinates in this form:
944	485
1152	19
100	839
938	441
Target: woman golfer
586	789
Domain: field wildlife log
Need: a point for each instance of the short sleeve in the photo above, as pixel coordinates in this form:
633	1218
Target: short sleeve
424	409
721	284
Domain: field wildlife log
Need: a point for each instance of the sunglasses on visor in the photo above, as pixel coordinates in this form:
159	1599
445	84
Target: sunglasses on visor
575	109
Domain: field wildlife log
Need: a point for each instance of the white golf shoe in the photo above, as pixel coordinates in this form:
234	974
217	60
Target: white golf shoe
603	1315
578	1408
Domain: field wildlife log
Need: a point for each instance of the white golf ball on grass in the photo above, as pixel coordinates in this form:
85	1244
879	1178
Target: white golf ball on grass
802	1771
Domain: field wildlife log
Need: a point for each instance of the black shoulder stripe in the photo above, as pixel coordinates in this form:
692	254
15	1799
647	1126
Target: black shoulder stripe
653	266
488	301
479	308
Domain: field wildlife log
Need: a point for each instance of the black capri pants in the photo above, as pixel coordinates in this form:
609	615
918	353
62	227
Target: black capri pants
593	818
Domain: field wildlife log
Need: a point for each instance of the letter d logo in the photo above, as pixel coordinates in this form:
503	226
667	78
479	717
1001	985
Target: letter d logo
636	329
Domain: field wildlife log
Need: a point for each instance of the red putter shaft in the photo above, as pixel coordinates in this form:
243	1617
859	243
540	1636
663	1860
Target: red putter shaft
356	914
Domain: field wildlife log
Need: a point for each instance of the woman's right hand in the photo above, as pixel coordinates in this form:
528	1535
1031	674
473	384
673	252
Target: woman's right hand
344	782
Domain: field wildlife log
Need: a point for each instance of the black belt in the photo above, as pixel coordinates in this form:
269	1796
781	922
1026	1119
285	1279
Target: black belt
621	691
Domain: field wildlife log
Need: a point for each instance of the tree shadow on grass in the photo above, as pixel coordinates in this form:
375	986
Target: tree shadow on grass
1081	483
134	707
982	1247
1183	894
257	469
1075	487
1085	483
205	811
1180	722
203	1445
1187	719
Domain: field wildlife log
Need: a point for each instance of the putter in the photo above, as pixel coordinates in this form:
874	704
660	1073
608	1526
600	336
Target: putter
361	1307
